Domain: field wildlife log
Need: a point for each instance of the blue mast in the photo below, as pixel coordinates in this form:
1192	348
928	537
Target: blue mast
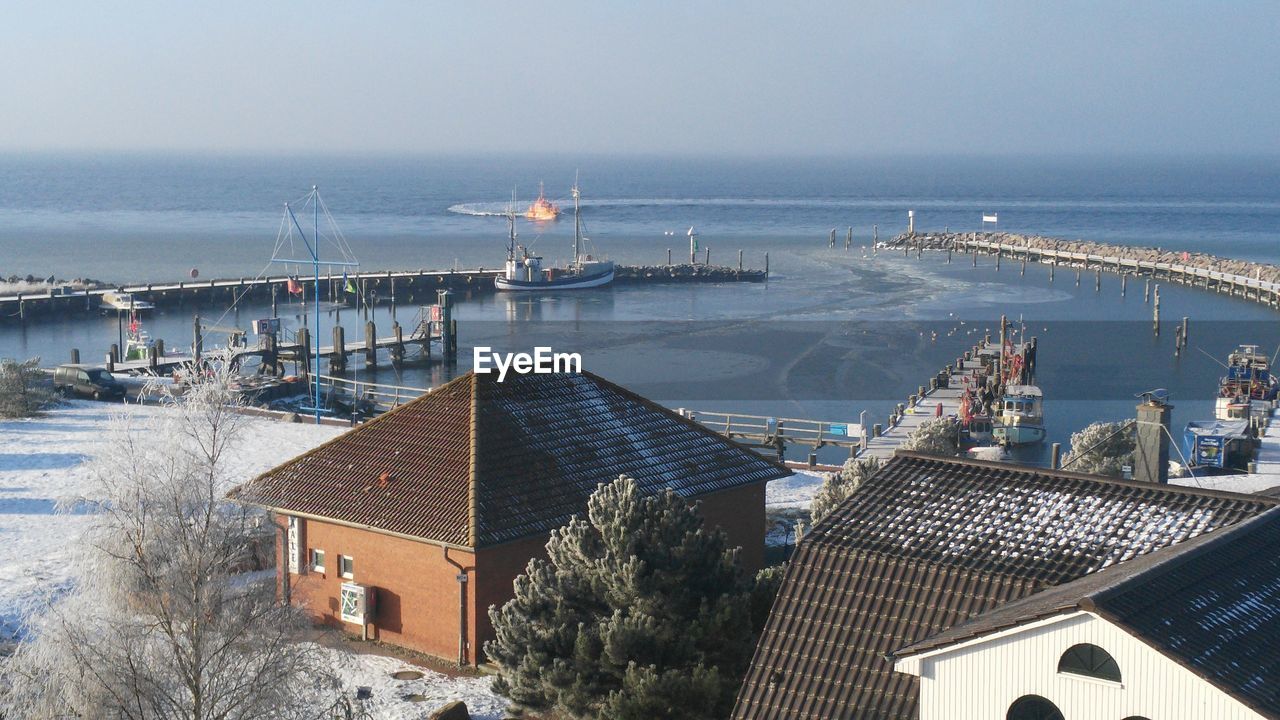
313	249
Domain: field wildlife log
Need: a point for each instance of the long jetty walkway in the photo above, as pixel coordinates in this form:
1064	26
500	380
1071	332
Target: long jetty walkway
379	286
1259	282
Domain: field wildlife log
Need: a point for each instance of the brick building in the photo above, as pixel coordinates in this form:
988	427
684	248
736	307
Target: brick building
419	520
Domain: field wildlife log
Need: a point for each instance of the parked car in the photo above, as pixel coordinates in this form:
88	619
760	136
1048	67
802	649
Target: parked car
90	382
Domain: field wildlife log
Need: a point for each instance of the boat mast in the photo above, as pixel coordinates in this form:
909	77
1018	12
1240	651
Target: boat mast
577	222
511	227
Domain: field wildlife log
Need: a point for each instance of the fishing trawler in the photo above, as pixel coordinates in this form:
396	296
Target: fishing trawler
1020	417
542	208
1247	387
524	271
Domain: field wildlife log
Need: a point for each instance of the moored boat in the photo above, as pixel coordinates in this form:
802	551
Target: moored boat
1248	386
524	271
119	300
1020	417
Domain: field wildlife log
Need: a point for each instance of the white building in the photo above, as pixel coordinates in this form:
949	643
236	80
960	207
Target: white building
1190	632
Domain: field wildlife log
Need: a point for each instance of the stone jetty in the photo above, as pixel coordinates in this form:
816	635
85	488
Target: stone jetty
1127	254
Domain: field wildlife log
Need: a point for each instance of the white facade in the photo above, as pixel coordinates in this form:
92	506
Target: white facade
982	678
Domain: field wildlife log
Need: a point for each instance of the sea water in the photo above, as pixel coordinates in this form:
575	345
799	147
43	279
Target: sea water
832	335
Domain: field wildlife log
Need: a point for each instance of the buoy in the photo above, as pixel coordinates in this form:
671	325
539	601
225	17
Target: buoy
194	273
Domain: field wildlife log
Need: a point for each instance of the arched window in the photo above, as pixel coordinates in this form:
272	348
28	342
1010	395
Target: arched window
1135	717
1090	661
1033	707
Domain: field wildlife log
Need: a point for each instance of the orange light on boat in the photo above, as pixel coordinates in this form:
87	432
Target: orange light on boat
542	209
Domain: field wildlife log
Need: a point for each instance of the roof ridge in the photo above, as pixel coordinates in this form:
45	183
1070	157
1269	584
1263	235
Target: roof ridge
473	509
1101	479
687	421
1214	541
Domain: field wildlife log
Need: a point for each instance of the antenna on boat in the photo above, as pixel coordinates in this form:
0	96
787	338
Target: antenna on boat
511	227
577	221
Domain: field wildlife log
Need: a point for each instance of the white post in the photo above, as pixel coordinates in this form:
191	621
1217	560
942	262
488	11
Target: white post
911	222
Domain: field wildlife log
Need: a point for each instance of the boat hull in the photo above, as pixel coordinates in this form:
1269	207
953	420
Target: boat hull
576	282
1019	434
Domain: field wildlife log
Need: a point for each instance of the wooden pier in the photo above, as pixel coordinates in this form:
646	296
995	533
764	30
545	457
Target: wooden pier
380	287
940	399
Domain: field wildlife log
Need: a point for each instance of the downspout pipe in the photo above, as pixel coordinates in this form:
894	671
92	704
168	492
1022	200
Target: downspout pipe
462	606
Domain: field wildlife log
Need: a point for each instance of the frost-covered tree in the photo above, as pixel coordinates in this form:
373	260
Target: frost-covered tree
160	619
838	486
639	612
23	391
935	436
1103	448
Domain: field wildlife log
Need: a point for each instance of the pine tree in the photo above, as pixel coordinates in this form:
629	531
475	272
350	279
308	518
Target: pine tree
1103	448
935	436
638	612
838	486
22	392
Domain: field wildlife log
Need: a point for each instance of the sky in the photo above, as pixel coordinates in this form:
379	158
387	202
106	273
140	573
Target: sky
733	78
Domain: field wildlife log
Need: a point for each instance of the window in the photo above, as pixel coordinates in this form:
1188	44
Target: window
317	560
1089	661
346	566
1033	707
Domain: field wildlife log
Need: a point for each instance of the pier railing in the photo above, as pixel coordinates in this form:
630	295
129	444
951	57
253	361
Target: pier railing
774	431
383	396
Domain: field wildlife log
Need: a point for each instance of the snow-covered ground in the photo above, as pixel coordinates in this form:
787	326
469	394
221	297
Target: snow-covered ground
786	502
47	459
412	699
794	492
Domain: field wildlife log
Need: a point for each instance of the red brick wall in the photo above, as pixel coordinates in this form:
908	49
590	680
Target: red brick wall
499	567
417	590
740	512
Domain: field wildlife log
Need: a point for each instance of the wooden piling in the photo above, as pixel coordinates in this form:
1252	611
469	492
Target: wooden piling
1146	290
397	350
115	353
338	358
304	348
1155	310
111	361
1055	456
1052	265
197	344
1023	271
739	260
668	257
1077	277
707	262
1184	331
1097	280
370	344
1124	283
75	356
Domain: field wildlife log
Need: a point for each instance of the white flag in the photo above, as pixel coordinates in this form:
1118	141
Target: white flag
988	218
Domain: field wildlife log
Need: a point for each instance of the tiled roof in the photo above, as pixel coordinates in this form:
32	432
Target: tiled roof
927	544
1216	610
479	462
1212	604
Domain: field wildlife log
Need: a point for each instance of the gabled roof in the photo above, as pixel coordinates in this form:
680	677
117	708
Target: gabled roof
1212	604
479	462
928	543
